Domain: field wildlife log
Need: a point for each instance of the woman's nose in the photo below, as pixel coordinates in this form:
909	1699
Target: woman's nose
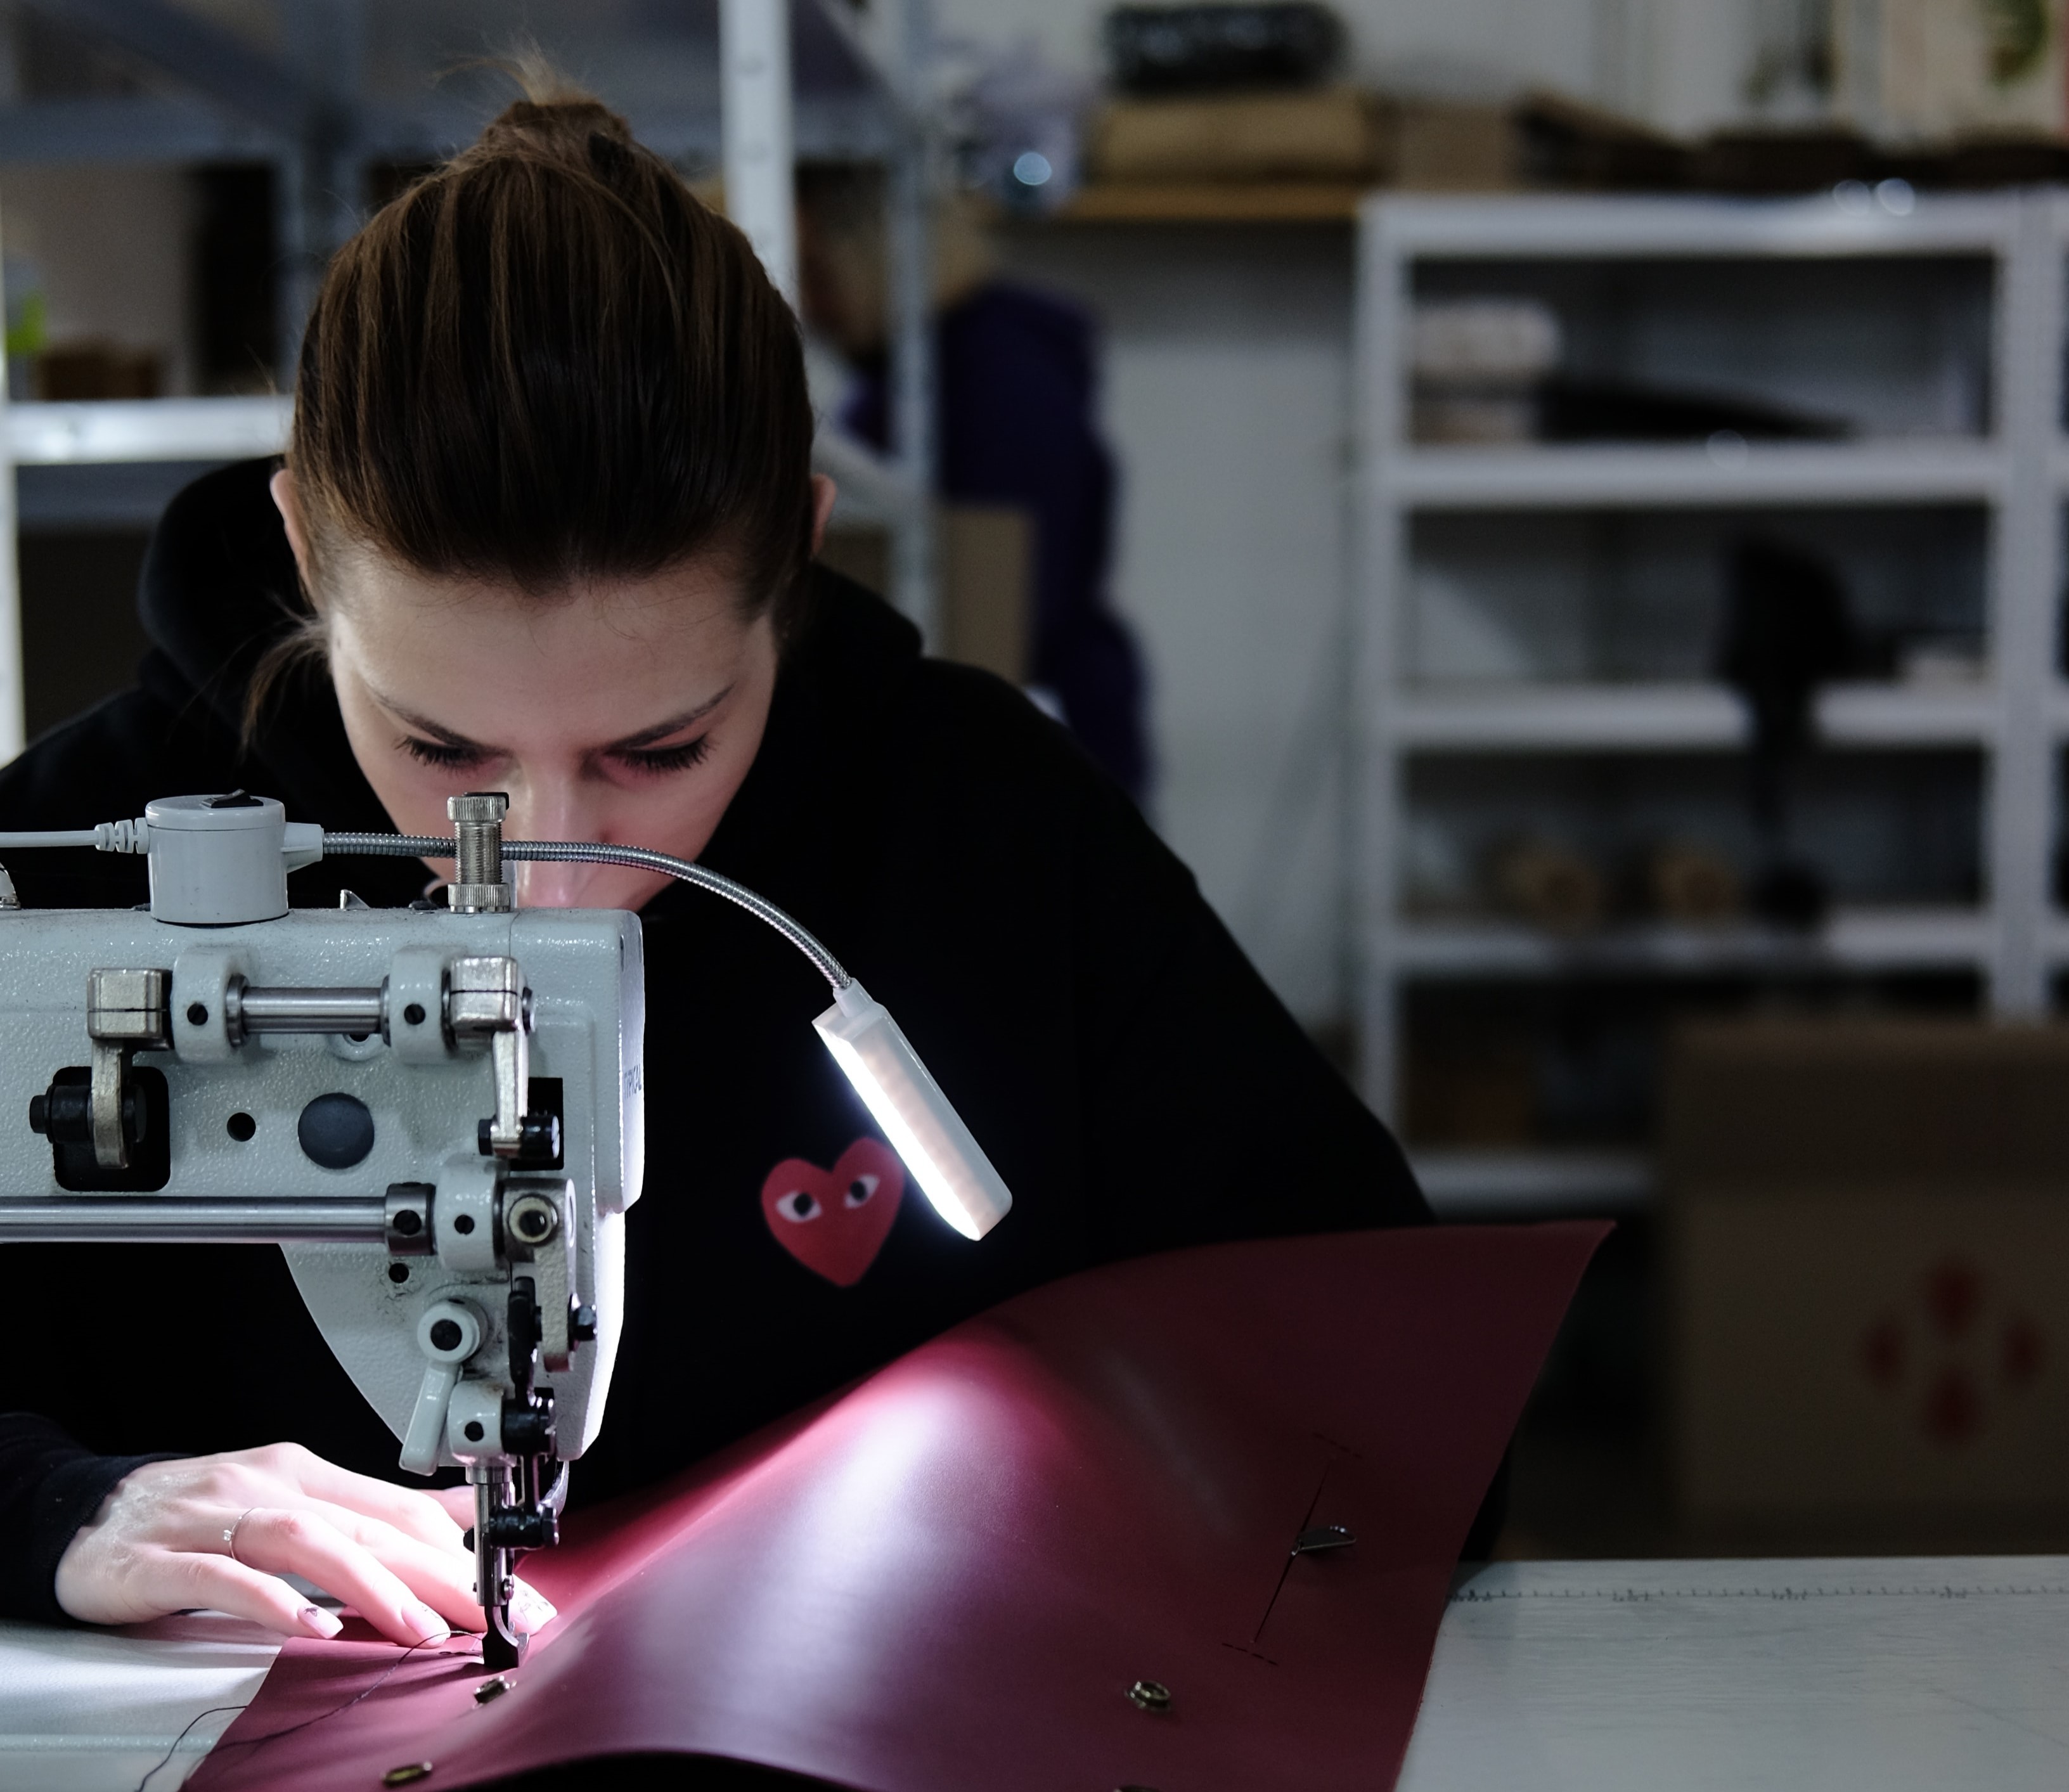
551	809
550	886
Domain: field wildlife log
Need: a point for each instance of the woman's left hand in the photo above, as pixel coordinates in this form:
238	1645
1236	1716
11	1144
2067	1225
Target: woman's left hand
219	1532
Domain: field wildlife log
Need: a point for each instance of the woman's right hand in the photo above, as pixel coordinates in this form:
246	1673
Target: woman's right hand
218	1531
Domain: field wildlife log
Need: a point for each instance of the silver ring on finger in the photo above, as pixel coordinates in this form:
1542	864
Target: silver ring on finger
230	1537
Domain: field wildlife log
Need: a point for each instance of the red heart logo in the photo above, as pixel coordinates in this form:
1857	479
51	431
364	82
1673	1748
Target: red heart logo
834	1221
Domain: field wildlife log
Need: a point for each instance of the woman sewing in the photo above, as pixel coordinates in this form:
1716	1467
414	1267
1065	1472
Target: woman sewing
546	526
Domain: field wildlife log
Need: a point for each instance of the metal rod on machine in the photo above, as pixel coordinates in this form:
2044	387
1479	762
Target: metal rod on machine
147	1219
306	1011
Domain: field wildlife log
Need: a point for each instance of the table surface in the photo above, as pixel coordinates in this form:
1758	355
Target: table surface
1882	1674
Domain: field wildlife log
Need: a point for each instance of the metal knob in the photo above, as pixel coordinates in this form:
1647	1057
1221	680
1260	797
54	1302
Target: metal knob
478	886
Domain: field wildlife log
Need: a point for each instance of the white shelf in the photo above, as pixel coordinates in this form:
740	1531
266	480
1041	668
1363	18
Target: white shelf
1620	477
114	431
1584	718
1657	229
1519	1184
1859	940
2054	940
2014	713
146	429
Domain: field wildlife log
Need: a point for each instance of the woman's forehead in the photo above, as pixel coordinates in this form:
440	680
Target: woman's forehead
609	659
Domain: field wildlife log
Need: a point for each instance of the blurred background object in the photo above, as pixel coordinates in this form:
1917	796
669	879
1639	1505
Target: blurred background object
1787	632
1868	1220
1479	367
1016	373
1021	123
1196	49
1692	885
1547	885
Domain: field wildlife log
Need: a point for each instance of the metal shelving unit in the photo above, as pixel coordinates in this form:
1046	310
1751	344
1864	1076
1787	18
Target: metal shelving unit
351	84
2015	718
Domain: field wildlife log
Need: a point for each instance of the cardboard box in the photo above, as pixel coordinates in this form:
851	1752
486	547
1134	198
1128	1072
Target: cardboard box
98	369
1331	135
987	580
1867	1224
1442	146
1540	139
984	566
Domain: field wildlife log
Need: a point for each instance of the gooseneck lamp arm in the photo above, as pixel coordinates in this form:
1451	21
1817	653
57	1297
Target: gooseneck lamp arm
587	853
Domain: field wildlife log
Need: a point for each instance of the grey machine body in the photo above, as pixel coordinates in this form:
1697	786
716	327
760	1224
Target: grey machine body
437	1114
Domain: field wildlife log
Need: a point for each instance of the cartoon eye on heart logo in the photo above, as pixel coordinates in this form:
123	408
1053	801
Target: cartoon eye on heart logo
834	1221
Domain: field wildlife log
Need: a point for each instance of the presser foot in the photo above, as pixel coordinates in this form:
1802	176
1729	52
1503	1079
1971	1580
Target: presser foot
495	1570
502	1648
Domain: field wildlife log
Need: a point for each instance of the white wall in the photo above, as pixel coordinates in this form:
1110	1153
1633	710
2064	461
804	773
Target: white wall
1227	400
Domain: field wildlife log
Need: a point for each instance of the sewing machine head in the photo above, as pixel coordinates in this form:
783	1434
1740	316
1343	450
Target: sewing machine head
436	1111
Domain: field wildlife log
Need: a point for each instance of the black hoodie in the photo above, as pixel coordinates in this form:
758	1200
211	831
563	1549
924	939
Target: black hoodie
1122	1064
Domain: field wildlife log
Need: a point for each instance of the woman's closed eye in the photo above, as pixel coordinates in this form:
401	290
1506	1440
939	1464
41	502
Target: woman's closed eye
643	762
655	762
444	754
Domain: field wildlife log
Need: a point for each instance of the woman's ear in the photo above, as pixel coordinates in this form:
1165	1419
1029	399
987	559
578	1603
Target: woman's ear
824	492
282	486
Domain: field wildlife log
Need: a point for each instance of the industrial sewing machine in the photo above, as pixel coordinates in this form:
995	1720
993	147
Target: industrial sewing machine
436	1112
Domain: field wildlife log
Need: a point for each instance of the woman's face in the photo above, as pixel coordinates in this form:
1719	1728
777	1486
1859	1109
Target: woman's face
628	712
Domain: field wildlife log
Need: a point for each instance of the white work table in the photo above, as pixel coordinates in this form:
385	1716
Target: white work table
1609	1676
1886	1676
95	1711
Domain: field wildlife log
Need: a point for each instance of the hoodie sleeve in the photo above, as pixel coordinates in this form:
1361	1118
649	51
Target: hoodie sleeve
49	1486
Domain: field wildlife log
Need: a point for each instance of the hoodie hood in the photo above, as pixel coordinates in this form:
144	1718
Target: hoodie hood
218	590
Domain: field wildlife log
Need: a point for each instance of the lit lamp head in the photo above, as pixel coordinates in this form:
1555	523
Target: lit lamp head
945	1160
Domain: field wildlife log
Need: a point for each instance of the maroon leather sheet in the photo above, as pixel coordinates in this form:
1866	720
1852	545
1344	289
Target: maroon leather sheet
949	1577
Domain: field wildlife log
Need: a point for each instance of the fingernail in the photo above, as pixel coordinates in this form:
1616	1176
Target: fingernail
426	1624
319	1622
530	1610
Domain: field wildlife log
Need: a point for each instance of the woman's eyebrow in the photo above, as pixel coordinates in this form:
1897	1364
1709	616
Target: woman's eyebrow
646	737
423	725
630	743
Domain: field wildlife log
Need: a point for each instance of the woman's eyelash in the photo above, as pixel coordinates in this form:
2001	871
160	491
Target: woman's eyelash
668	759
656	759
440	752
